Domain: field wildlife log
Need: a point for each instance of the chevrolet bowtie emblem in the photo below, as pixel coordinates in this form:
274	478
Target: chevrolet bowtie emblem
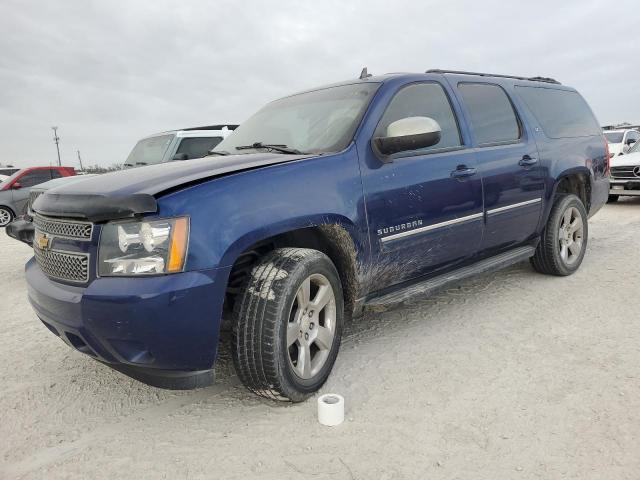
42	241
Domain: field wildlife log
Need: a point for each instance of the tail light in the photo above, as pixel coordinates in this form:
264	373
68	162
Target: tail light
607	156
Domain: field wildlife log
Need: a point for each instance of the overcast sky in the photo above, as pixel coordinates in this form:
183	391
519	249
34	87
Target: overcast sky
107	73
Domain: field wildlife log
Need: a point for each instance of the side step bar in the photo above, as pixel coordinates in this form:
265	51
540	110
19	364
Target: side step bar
432	284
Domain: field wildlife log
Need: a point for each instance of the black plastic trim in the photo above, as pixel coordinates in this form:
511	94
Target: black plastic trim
167	379
21	230
94	208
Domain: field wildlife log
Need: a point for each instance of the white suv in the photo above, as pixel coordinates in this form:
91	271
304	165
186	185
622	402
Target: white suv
184	144
620	141
625	174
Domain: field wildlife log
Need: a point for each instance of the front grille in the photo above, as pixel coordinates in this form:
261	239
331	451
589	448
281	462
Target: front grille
72	267
625	172
33	195
63	228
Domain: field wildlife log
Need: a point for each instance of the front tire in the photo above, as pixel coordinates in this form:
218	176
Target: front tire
564	240
288	324
6	216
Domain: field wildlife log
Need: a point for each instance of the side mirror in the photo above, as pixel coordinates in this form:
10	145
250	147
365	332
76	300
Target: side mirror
16	186
631	141
411	133
180	156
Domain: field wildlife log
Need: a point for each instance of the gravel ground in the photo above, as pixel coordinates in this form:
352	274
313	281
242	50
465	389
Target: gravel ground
510	375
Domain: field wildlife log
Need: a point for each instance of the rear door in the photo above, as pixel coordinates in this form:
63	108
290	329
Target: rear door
512	176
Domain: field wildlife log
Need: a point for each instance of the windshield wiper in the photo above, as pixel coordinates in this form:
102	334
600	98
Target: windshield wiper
128	164
217	152
142	163
281	148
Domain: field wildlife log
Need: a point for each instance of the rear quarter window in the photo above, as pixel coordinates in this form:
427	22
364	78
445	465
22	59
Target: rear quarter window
561	113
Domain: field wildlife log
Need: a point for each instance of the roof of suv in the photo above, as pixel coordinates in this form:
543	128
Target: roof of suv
366	77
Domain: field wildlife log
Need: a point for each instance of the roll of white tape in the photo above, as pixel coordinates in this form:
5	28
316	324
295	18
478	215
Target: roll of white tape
331	409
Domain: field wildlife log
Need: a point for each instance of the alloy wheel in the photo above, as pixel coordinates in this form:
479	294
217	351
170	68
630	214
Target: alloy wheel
312	326
5	217
570	236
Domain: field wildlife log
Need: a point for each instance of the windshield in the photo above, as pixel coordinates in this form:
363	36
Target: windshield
149	151
614	137
314	122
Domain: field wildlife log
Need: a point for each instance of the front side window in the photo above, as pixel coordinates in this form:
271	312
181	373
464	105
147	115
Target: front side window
320	121
149	151
197	147
423	100
635	148
493	118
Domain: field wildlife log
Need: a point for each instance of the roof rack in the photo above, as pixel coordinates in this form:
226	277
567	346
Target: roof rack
230	126
532	79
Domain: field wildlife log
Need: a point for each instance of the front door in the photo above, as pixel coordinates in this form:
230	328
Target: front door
26	181
425	207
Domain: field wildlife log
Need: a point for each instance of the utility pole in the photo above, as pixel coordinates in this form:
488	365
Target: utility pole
80	160
56	139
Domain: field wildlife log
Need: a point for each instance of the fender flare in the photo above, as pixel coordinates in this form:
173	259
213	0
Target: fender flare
262	233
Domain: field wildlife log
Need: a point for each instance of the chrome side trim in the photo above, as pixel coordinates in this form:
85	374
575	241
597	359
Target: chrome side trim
434	226
511	207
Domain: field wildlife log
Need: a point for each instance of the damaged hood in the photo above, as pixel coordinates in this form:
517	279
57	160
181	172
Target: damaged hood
126	193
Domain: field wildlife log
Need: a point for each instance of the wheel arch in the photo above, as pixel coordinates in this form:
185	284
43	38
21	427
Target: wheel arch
334	235
575	181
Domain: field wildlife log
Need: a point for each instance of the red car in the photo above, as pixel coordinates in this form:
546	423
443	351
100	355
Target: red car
14	191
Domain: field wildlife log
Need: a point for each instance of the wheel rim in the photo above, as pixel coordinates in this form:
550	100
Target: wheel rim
570	236
311	328
5	217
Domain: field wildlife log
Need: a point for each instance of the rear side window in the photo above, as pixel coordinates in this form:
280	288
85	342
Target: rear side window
561	113
492	116
423	100
197	147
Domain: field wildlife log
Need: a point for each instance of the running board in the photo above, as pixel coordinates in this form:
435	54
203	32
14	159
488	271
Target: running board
429	286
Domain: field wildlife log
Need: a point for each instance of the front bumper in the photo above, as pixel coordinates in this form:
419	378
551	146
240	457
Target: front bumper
625	187
161	330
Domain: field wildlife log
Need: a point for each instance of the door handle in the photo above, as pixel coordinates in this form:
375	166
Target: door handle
463	172
527	161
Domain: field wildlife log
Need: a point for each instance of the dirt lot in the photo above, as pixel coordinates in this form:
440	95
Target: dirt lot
511	375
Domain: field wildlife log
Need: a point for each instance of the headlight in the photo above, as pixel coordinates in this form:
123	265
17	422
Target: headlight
143	247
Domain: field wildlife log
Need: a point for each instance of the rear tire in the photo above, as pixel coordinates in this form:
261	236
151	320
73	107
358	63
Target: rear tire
288	322
6	216
613	198
564	240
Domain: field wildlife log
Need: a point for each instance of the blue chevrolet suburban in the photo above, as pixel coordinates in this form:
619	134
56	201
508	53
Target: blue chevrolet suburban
364	192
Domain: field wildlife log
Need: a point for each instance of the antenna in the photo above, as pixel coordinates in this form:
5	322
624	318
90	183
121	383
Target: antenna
56	139
364	74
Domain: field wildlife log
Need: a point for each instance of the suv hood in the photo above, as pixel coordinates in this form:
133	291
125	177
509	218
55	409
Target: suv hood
627	160
126	193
